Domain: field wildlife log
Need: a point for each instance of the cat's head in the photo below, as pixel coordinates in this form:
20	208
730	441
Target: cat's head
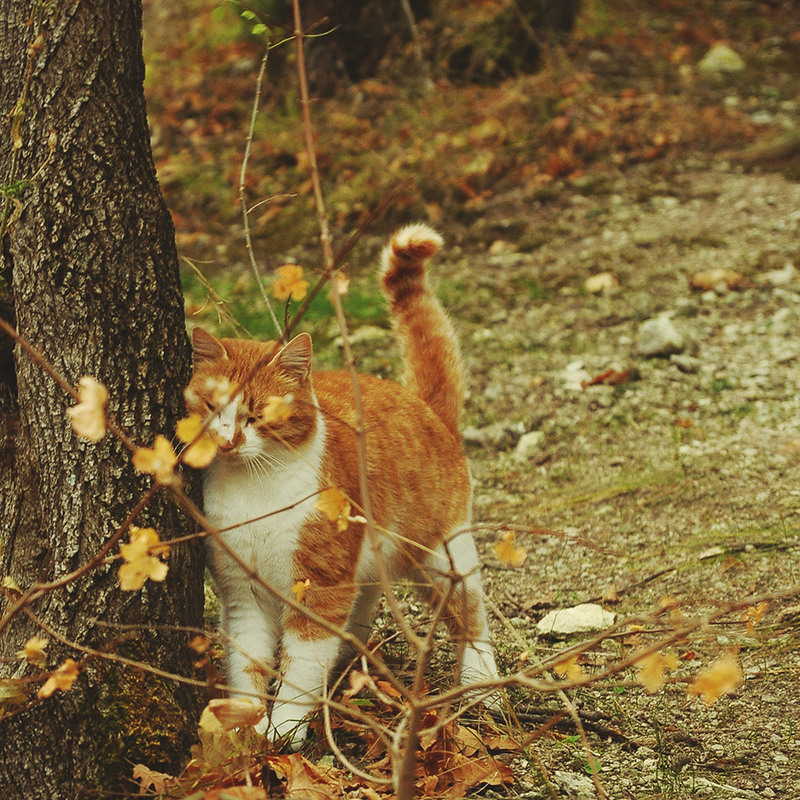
258	394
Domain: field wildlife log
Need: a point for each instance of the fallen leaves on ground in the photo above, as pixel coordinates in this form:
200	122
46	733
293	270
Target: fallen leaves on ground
651	670
230	762
719	278
507	551
720	677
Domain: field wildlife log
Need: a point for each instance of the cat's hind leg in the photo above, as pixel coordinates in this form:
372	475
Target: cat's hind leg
452	574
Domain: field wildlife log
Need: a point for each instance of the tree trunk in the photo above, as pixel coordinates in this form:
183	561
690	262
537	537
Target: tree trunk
89	274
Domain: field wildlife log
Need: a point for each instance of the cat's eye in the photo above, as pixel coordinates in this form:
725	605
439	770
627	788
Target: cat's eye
251	420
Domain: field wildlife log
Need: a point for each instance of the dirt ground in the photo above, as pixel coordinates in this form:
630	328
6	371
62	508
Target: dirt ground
687	471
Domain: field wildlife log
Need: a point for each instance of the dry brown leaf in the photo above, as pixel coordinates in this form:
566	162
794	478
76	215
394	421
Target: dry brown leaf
299	589
150	781
142	560
508	553
33	651
720	677
569	668
334	504
290	283
712	279
200	644
752	615
650	670
62	679
88	417
201	447
158	460
234	712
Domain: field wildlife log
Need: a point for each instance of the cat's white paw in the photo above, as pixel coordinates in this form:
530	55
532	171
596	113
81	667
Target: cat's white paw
287	725
478	666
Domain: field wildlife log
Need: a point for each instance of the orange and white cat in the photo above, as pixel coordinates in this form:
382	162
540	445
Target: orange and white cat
262	487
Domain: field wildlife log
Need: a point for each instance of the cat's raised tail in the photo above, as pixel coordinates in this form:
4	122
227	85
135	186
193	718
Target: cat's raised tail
431	355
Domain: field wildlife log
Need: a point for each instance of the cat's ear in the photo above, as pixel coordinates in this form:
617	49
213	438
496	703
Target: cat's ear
205	347
295	357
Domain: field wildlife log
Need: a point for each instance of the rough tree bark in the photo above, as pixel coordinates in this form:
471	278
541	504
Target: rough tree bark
89	274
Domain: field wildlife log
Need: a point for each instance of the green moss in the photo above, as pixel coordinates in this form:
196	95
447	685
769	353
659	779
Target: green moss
134	717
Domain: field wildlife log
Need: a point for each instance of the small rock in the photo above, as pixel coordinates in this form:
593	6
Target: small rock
528	446
580	787
686	363
720	59
366	334
779	277
646	235
659	337
494	435
575	376
579	619
601	283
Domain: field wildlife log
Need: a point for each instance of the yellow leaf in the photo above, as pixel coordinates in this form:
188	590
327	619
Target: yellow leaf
340	283
62	679
11	586
200	644
160	460
299	589
277	409
150	781
141	559
236	712
201	447
33	651
650	670
88	417
508	553
752	616
335	506
720	677
290	283
569	668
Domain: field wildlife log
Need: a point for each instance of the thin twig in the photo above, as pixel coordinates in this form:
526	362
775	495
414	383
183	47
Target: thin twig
242	199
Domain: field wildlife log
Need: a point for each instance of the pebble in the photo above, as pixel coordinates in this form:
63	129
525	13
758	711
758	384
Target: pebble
720	59
581	787
658	336
686	363
578	619
529	446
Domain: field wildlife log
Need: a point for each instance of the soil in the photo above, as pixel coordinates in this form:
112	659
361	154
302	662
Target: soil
680	482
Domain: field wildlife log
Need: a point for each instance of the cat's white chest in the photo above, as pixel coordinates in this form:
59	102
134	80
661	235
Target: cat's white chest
259	512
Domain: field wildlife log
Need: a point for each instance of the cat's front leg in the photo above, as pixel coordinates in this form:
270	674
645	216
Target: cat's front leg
307	663
252	640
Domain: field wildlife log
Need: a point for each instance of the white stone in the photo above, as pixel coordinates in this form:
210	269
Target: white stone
720	58
575	376
578	619
528	446
659	337
581	787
